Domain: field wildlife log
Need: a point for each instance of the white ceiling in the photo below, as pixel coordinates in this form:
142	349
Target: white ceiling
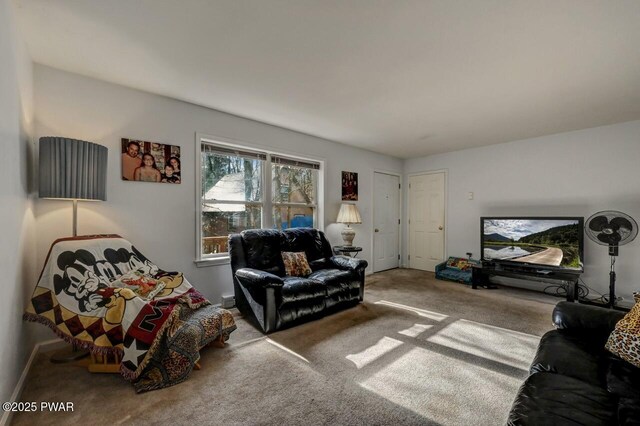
404	78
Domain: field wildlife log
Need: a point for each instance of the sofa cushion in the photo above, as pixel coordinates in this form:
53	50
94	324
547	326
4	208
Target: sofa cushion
262	250
309	240
295	264
564	353
335	280
297	289
624	341
554	399
318	264
341	286
623	379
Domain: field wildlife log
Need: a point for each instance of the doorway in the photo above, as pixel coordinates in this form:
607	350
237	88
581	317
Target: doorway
427	220
386	221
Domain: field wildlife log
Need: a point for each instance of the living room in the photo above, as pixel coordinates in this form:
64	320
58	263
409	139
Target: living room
526	110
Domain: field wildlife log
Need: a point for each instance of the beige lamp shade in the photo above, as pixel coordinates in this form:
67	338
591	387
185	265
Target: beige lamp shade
349	214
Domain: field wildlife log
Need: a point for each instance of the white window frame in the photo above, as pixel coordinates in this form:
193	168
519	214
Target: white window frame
266	202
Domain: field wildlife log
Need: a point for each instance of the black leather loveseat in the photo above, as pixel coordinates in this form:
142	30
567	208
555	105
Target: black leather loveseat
275	301
574	380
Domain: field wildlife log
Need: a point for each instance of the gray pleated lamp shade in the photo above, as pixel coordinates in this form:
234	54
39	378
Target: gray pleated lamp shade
72	169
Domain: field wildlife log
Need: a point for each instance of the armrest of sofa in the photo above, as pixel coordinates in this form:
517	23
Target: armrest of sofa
440	266
252	278
586	319
349	263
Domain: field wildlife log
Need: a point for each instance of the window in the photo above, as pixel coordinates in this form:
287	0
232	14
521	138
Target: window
245	189
293	193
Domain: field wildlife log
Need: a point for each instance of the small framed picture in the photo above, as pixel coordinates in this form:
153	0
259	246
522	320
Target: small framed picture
144	161
349	186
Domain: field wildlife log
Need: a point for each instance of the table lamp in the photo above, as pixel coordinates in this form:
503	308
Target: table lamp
348	214
72	169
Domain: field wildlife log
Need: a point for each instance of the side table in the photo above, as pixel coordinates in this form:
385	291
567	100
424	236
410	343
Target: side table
347	250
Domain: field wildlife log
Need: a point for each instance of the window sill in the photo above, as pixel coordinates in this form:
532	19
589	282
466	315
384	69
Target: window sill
214	261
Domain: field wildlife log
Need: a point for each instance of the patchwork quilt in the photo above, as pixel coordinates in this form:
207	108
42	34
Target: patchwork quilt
179	349
100	293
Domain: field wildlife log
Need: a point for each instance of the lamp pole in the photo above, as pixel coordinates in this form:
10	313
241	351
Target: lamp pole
75	217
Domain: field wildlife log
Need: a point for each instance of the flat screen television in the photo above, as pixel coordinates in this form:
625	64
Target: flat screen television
543	243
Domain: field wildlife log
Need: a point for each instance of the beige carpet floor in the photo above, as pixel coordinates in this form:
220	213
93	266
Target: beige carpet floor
417	351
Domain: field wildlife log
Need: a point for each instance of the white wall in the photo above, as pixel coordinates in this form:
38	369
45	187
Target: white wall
573	174
17	260
160	219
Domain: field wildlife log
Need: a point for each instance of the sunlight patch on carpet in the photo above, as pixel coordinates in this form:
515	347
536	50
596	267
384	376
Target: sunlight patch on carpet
495	343
415	330
383	346
287	350
125	419
422	312
445	389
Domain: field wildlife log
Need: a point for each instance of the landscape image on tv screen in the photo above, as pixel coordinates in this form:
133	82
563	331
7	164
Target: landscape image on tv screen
536	241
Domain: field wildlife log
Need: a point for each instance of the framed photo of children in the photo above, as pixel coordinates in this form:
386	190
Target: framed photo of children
150	162
349	186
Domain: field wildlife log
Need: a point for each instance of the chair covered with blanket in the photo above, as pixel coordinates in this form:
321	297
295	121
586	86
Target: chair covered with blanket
100	293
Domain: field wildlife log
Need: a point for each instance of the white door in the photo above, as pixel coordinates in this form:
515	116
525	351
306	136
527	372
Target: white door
426	220
386	221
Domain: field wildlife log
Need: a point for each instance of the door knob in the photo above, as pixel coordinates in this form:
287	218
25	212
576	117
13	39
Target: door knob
440	227
376	230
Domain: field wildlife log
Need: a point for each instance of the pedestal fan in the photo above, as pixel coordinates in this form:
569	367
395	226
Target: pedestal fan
614	229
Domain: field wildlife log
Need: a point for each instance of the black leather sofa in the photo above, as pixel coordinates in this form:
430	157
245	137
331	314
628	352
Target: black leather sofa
275	301
573	379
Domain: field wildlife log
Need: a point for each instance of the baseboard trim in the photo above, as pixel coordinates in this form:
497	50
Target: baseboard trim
17	391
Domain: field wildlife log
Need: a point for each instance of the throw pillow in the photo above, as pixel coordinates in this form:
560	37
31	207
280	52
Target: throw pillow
142	285
458	263
624	340
295	264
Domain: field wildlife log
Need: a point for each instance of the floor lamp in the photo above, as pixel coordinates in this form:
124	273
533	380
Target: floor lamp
74	170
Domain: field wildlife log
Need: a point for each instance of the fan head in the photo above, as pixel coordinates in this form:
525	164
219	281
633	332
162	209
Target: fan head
611	228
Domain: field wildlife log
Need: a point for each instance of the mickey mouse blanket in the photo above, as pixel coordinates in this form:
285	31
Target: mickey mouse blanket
100	293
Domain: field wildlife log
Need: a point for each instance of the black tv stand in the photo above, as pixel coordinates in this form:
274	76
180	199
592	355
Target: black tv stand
604	305
481	275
